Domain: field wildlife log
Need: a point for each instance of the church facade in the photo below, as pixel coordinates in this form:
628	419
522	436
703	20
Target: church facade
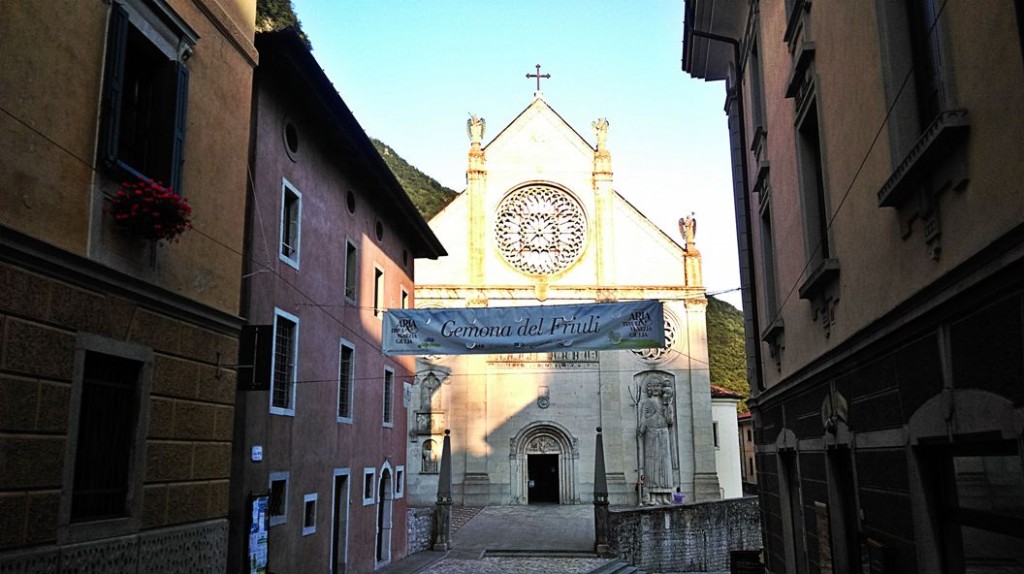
540	224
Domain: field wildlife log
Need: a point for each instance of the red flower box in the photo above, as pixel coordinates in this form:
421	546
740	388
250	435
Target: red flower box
149	210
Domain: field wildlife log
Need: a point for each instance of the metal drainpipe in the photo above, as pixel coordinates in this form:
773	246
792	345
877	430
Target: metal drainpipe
747	282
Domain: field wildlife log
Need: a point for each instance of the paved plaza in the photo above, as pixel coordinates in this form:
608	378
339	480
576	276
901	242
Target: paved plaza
513	540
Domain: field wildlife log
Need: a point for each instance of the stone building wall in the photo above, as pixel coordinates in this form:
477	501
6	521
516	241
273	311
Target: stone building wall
419	523
689	538
187	416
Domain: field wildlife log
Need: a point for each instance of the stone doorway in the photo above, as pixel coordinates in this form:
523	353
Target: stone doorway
542	478
553	448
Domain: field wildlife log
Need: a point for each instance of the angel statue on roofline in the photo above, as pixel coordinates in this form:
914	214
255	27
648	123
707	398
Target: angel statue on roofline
475	127
688	229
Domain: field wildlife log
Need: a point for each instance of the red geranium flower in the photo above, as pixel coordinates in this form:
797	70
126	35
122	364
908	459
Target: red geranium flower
149	210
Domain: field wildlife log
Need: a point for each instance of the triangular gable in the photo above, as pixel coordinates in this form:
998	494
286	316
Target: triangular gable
542	108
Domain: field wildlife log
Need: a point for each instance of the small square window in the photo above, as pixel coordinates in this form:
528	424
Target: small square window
278	504
291	224
368	476
309	514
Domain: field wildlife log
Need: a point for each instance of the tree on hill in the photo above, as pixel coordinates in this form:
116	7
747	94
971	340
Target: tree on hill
426	193
726	351
274	15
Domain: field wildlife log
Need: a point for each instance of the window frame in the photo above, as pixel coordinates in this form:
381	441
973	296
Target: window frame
279	476
287	188
290	409
342	345
308	529
351	283
399	481
378	292
370	473
67	531
171	37
388	398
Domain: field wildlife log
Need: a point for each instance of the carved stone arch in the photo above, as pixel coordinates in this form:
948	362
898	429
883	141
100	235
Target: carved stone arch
544	437
965	412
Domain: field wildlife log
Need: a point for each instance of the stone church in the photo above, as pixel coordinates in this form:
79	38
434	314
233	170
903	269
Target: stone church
540	224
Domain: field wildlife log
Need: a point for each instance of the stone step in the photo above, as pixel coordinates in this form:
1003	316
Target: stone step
616	567
537	553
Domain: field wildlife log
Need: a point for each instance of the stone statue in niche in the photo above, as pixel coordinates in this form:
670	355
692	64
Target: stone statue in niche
655	421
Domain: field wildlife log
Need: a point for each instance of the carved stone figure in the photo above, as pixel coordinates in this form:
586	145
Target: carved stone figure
688	229
475	128
656	420
601	132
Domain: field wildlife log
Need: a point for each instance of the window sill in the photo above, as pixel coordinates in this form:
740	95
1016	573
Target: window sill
773	330
291	262
823	275
282	411
939	140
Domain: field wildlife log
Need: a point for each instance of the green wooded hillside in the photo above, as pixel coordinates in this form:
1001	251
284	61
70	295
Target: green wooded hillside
725	348
426	193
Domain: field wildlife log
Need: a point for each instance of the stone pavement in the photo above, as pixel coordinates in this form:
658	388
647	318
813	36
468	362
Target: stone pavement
513	540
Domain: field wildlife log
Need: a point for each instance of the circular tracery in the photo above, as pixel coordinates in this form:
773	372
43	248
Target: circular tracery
540	229
670	339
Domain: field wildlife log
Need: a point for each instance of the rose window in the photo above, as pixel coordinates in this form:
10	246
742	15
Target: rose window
540	230
670	339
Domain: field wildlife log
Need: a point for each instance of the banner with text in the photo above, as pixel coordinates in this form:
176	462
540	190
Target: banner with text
533	329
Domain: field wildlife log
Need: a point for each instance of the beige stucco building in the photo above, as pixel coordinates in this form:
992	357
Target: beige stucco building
878	176
116	395
540	224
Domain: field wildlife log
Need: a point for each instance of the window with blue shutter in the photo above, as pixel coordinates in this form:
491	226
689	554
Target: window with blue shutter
145	92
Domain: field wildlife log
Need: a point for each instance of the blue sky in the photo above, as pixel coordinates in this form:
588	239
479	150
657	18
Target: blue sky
413	70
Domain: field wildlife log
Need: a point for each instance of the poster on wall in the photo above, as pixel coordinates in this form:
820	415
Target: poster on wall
258	535
527	329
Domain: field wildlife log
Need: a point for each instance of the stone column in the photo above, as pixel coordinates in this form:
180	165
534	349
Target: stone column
601	519
442	536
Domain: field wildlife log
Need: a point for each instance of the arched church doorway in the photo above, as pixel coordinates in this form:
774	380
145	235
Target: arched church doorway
542	478
543	465
385	497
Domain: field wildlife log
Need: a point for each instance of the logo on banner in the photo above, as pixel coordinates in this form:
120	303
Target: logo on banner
404	331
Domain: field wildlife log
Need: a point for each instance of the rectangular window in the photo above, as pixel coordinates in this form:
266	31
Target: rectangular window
291	223
924	41
278	504
368	475
389	397
756	89
405	298
378	292
346	377
351	271
399	481
106	437
812	187
309	514
286	350
145	92
714	432
771	301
